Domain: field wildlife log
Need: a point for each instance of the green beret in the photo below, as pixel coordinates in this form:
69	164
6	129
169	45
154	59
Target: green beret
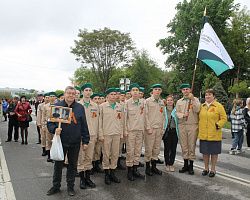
94	95
78	88
134	85
52	94
101	95
59	95
86	85
123	92
118	90
156	86
110	90
40	94
185	85
127	91
142	89
46	94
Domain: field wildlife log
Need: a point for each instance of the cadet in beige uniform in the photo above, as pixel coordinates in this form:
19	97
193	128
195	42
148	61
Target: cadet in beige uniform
188	126
45	117
85	157
39	122
111	126
134	127
155	118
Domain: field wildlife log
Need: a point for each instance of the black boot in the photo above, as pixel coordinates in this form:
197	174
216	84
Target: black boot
107	177
49	159
148	169
190	167
113	177
93	168
120	165
154	169
130	175
98	169
88	181
44	152
82	181
136	173
185	167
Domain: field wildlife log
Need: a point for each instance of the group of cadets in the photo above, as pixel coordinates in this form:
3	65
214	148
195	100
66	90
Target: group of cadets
118	118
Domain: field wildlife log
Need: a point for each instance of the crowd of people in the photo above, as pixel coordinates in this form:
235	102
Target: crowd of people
103	124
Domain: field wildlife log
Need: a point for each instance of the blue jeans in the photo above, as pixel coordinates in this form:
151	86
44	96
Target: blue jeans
238	139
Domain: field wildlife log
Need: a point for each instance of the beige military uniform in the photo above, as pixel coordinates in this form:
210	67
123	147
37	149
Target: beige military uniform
39	123
155	118
85	157
134	127
45	117
188	129
111	125
122	140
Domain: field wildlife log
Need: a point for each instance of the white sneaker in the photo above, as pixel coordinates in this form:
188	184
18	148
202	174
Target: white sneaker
232	152
240	151
171	168
167	168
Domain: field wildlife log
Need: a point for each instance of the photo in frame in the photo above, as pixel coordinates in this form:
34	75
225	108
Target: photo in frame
60	114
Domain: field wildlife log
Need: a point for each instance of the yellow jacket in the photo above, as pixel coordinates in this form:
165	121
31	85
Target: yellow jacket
208	118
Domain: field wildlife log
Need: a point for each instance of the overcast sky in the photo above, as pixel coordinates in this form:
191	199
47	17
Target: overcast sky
36	35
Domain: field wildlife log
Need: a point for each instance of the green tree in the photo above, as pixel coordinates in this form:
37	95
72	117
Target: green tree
184	31
241	89
209	82
103	51
220	93
59	92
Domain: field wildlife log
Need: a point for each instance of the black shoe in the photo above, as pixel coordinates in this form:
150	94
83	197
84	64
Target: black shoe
130	175
185	167
154	169
190	168
159	161
148	169
71	192
204	172
107	177
136	173
88	180
82	181
53	191
113	177
22	142
16	140
211	174
50	160
26	142
8	141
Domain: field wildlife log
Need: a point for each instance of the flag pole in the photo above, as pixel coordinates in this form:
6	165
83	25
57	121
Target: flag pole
194	73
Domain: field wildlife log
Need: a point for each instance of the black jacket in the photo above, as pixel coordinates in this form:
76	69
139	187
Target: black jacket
11	108
75	132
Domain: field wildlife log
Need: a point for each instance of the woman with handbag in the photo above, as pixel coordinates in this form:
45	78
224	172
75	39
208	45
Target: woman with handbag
170	137
23	111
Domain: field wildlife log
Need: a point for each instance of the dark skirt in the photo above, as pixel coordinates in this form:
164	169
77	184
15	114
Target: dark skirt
24	124
210	147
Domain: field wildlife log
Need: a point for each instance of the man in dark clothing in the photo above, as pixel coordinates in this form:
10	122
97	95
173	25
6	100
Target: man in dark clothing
13	122
39	100
72	135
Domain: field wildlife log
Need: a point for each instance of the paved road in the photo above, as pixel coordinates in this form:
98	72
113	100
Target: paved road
31	177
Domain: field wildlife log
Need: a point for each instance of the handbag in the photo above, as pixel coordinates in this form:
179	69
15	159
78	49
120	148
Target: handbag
28	118
56	151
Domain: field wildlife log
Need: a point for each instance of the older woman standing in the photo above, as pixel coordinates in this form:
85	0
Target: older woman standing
212	118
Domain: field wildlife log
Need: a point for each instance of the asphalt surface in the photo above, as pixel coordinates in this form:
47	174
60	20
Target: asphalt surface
31	177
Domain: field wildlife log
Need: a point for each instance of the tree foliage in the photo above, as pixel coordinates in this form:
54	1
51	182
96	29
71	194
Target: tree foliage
103	51
209	82
242	89
220	93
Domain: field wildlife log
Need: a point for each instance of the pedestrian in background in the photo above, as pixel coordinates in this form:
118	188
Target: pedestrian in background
22	110
238	123
246	113
5	107
170	137
13	122
39	100
212	118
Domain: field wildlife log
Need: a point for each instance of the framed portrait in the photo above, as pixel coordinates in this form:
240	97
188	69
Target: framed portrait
60	114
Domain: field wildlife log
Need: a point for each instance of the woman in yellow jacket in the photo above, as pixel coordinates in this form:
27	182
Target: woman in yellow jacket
212	118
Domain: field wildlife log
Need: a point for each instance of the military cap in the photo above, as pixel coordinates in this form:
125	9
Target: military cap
46	94
142	89
123	92
185	85
94	95
134	85
52	94
118	89
39	94
86	85
101	95
127	91
156	85
110	90
78	88
59	95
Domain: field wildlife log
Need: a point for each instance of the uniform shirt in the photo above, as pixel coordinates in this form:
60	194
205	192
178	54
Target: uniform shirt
134	115
92	116
111	121
46	113
39	114
155	113
182	108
